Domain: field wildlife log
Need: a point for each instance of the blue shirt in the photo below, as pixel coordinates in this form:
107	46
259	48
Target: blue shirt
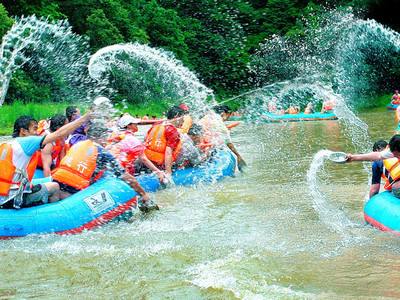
377	171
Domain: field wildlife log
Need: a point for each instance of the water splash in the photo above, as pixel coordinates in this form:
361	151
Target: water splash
49	46
330	215
148	74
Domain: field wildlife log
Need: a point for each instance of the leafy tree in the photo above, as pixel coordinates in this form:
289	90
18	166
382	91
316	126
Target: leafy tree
5	21
101	31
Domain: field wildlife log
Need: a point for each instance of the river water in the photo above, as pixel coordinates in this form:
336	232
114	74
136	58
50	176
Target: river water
254	236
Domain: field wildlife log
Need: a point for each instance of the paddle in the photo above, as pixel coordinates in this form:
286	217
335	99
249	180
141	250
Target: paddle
338	157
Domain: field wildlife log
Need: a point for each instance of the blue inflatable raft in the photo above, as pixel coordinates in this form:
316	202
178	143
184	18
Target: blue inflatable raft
383	212
103	201
273	118
391	106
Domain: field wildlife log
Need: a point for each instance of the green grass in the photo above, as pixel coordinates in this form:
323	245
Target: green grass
10	112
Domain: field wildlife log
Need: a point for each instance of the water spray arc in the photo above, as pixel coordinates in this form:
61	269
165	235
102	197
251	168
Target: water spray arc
48	45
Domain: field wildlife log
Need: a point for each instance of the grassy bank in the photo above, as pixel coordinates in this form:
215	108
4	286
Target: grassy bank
10	112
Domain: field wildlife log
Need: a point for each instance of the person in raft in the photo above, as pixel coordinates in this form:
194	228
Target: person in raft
52	153
216	133
309	108
396	98
378	171
87	161
163	142
391	163
328	106
79	134
18	161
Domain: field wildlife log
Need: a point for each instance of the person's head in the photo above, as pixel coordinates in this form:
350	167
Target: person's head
379	146
25	126
394	145
72	112
184	107
57	121
195	133
128	122
396	91
223	110
175	114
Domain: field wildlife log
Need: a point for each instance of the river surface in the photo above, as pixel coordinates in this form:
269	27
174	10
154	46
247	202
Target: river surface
254	236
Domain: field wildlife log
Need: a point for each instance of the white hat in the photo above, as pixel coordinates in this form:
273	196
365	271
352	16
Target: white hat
128	119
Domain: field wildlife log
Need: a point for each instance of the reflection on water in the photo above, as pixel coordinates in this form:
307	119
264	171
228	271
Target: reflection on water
253	236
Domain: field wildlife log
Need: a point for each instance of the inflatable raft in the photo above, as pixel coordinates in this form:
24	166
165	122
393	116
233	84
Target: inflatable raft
391	106
383	212
103	201
273	118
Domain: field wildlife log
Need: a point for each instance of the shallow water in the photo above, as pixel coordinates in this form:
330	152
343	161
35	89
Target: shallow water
254	236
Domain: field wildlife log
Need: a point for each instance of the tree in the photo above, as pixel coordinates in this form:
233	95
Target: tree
5	21
101	31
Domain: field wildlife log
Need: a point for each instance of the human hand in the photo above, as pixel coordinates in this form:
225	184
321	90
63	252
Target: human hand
349	157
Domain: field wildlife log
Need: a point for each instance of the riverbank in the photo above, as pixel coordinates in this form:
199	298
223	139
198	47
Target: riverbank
9	112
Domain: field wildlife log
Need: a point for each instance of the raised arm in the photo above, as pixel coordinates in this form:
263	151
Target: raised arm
66	129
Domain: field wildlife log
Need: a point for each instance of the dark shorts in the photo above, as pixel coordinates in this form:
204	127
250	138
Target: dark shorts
39	196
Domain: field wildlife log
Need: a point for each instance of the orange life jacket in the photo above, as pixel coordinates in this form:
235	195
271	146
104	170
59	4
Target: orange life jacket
58	147
77	167
43	125
392	166
292	111
8	169
156	143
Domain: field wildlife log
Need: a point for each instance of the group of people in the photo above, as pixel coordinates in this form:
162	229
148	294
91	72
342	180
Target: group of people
76	151
386	165
327	107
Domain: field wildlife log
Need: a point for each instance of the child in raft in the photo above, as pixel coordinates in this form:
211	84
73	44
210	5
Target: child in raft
309	108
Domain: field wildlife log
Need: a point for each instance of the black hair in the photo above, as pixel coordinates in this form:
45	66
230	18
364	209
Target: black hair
379	145
57	121
394	143
23	122
69	111
195	130
219	109
175	112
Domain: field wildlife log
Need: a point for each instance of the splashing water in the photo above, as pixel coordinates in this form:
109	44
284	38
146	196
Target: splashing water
148	74
330	215
49	46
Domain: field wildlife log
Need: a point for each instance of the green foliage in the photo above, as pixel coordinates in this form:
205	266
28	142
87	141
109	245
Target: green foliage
215	39
101	31
5	21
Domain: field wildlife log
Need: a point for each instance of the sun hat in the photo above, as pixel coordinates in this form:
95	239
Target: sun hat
128	119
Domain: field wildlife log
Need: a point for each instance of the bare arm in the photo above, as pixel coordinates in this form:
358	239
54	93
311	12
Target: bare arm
47	159
372	156
66	129
240	161
168	160
147	162
129	179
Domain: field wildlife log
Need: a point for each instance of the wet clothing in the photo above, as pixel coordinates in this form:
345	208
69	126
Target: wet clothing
24	152
215	130
377	171
78	135
189	154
